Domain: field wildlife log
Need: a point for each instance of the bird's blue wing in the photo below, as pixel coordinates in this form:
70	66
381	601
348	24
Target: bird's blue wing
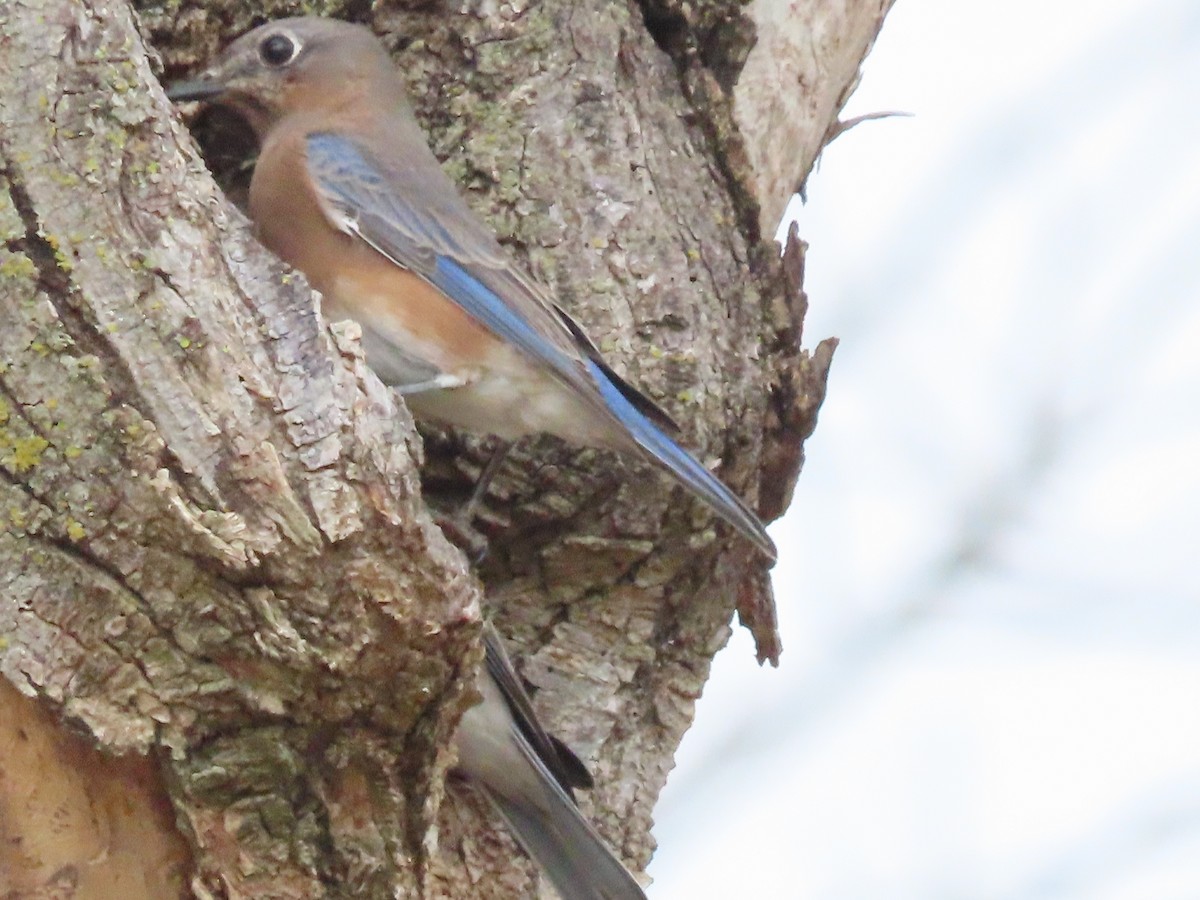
434	236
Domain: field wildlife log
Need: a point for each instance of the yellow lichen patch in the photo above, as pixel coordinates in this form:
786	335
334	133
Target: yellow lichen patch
17	265
26	452
75	530
63	178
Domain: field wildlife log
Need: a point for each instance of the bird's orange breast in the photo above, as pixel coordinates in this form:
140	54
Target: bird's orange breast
356	281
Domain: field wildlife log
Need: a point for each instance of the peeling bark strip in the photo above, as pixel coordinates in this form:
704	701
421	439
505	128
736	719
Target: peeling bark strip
792	88
213	545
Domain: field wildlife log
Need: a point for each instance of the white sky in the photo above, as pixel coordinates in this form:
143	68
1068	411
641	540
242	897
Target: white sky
990	577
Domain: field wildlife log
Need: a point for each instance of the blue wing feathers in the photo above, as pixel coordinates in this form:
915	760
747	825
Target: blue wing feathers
353	180
502	320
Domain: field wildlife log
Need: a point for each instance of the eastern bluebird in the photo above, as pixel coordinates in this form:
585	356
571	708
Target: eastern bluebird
347	190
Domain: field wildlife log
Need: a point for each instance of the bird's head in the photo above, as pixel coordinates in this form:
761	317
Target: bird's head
291	65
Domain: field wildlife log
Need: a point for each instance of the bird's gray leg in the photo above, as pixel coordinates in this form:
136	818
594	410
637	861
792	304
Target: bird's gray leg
458	527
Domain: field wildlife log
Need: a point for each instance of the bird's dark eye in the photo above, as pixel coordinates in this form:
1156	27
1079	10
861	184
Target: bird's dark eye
277	50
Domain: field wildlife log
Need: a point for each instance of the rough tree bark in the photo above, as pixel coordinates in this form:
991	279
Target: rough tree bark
235	643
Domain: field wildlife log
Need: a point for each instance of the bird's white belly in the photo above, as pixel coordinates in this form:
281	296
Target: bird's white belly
507	396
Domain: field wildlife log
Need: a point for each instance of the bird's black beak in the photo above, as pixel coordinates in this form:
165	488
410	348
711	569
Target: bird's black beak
197	89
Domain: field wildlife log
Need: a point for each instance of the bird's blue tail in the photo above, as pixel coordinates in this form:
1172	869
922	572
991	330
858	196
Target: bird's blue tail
664	452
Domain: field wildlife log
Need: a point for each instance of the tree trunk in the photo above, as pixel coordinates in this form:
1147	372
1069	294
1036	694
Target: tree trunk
217	565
